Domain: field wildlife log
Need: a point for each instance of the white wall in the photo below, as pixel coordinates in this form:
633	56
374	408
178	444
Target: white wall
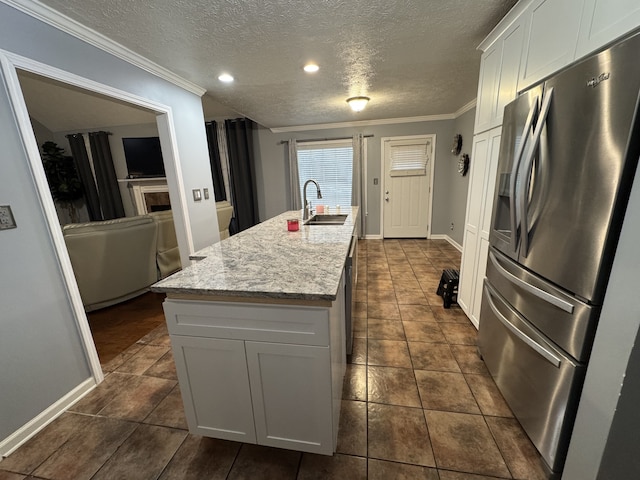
272	170
40	352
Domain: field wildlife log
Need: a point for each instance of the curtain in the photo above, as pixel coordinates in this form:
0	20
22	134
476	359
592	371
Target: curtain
110	198
294	176
81	159
357	188
242	174
224	160
214	159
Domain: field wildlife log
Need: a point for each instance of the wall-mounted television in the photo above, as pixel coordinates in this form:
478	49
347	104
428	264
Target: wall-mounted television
144	157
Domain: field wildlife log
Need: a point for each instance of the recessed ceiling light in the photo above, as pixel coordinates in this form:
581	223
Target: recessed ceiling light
311	68
226	78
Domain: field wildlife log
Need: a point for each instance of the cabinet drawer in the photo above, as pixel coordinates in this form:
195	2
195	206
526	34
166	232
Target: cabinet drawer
257	322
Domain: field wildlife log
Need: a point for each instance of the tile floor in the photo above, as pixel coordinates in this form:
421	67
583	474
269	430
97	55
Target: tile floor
418	402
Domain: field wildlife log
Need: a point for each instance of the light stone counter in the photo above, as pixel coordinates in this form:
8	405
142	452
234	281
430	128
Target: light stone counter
267	261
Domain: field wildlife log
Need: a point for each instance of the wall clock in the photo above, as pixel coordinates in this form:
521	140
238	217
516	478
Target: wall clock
457	144
463	164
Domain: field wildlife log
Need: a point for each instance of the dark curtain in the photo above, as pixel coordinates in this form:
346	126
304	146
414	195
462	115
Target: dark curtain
214	160
110	198
242	175
81	159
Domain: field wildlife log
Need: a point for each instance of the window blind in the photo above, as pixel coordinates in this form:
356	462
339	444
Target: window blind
331	165
407	160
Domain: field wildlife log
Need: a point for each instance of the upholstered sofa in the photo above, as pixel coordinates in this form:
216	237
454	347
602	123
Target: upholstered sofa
115	260
224	211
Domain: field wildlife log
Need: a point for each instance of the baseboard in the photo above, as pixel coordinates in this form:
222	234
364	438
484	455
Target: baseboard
29	429
442	236
432	237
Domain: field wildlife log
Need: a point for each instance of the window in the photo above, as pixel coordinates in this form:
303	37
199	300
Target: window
409	160
331	165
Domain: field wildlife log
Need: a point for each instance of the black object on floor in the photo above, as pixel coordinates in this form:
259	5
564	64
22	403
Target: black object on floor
448	288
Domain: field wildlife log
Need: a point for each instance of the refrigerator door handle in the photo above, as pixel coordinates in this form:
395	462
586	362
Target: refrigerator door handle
514	172
539	349
541	294
528	166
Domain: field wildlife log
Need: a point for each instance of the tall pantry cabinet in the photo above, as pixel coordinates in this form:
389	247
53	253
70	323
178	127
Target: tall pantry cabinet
536	39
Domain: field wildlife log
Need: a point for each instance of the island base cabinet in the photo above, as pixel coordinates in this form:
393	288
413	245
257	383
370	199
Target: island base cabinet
214	383
260	373
291	394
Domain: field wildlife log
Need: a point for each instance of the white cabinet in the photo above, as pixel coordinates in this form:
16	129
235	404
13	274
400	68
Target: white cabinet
552	28
291	394
484	158
489	70
498	83
208	364
260	373
604	21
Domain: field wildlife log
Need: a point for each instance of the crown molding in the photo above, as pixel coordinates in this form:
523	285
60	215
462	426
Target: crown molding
465	108
66	24
363	123
381	121
509	19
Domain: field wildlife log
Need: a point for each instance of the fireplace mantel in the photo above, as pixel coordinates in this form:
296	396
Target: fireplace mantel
148	193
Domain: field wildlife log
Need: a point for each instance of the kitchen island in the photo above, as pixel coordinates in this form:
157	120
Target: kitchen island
257	329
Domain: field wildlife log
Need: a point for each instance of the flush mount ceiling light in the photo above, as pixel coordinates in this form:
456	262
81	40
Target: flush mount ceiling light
226	78
311	68
357	104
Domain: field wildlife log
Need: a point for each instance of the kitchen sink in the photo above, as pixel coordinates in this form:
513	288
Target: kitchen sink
327	220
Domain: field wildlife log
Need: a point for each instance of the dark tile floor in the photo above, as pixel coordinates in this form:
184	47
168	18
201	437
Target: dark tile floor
418	402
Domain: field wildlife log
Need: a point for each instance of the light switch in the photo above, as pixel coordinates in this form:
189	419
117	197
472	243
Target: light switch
375	181
6	218
197	195
206	193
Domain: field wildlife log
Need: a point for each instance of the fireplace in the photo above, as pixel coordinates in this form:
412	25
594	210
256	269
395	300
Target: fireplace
149	195
157	201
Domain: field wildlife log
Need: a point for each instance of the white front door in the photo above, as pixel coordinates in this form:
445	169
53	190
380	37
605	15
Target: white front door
406	194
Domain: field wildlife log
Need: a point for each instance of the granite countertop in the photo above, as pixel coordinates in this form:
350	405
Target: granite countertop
267	261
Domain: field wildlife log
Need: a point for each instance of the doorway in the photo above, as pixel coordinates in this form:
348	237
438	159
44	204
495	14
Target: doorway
162	117
407	173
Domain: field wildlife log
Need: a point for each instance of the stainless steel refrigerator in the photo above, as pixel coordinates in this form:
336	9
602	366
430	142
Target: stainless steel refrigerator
568	154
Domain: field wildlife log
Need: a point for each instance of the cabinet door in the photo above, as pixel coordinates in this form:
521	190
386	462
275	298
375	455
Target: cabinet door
482	247
604	21
553	36
214	383
291	390
477	174
487	87
507	89
475	247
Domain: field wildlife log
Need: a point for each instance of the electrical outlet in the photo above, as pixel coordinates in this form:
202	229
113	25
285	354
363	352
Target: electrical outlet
6	218
451	228
375	181
197	195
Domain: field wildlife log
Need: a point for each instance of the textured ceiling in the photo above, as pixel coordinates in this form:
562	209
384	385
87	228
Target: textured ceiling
412	57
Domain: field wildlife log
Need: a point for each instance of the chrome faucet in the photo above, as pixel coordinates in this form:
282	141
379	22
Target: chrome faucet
305	215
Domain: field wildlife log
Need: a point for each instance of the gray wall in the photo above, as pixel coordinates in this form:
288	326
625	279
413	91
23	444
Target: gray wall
41	353
40	349
272	170
459	185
